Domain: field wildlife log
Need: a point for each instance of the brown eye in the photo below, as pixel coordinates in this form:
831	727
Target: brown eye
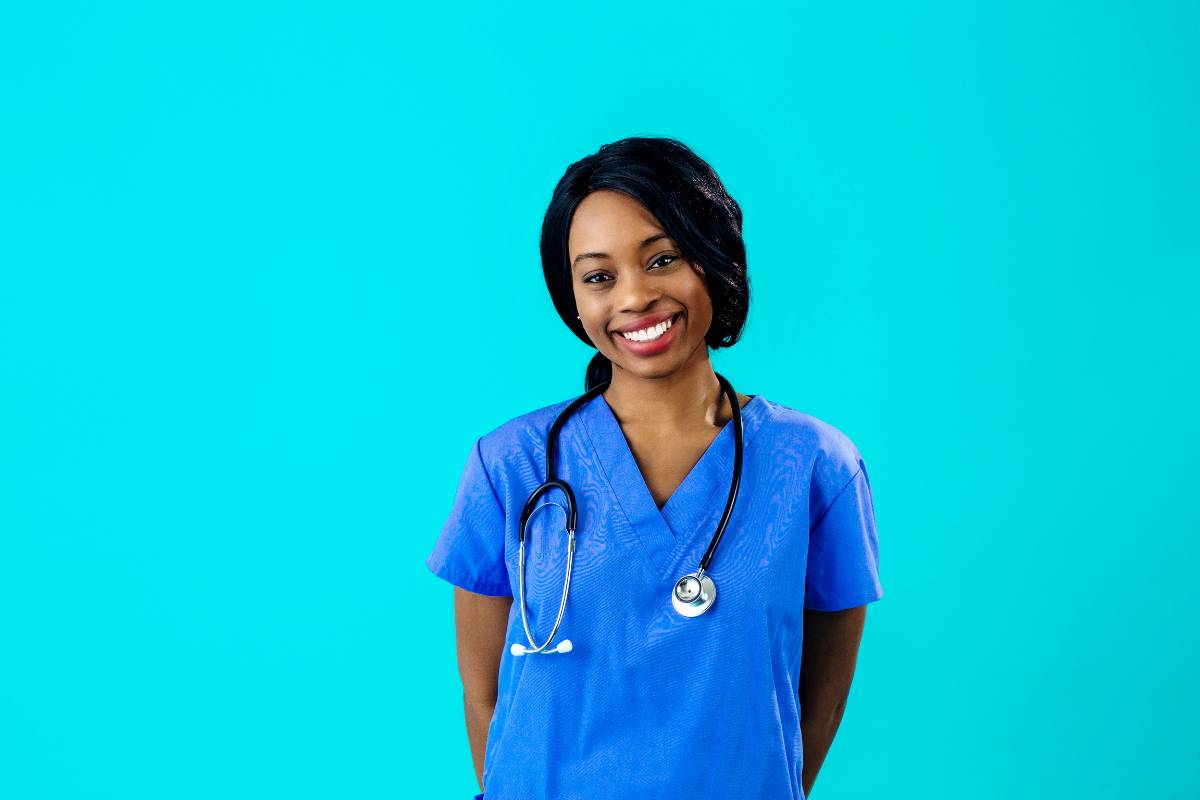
660	258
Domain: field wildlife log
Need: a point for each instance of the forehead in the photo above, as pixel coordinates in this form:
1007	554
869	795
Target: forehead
610	219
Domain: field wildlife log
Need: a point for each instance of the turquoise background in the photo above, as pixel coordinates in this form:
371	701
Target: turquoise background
269	269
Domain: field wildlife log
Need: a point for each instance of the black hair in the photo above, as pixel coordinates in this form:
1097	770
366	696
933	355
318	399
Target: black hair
687	198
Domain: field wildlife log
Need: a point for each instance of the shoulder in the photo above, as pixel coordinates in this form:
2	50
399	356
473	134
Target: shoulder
520	436
834	456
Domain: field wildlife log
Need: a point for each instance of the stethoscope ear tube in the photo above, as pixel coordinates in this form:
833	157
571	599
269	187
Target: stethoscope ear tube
572	519
565	647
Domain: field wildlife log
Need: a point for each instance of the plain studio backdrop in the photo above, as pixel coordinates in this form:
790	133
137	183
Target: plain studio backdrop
269	270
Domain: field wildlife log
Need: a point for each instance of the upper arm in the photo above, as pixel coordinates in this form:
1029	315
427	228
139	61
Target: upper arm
481	627
834	635
829	657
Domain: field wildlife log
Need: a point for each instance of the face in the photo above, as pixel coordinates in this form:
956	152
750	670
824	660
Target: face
628	275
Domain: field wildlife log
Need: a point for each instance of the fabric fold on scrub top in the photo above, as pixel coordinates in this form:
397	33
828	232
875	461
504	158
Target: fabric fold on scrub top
712	700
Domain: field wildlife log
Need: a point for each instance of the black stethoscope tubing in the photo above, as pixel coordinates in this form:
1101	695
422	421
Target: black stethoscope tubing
694	593
572	517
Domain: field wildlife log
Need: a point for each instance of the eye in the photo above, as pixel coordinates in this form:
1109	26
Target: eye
599	277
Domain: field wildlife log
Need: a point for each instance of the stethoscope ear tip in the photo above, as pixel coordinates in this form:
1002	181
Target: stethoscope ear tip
519	649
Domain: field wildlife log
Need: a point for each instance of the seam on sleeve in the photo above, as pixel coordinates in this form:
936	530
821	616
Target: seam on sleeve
832	503
468	582
504	589
862	598
486	474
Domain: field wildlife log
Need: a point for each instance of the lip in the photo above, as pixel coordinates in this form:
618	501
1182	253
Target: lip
658	345
646	322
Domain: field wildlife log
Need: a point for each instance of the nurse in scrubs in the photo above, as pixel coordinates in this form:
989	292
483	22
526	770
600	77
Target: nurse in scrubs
643	256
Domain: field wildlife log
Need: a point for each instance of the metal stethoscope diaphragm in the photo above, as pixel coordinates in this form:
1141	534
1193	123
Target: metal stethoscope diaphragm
692	595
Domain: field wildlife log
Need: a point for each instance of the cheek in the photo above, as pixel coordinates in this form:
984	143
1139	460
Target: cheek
695	287
584	309
699	302
592	321
701	315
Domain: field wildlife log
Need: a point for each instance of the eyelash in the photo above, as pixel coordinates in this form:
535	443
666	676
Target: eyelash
588	279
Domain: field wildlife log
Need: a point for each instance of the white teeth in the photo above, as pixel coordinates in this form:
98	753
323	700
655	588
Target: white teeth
649	334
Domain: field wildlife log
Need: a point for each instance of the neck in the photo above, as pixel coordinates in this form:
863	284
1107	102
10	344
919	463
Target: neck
688	397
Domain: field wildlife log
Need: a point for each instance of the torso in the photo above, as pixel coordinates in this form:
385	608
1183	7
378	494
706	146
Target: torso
665	457
626	634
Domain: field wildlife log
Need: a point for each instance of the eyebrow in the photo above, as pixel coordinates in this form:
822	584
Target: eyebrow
647	241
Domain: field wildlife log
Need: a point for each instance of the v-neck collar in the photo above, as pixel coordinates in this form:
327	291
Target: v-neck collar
699	500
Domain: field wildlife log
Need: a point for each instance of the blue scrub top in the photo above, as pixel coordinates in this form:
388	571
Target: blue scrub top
650	703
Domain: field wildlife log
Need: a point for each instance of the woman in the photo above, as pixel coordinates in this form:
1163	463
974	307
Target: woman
643	256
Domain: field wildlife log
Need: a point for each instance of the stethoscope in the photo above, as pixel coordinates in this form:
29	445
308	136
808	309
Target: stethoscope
693	594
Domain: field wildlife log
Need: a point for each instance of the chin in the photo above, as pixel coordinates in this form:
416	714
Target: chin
648	371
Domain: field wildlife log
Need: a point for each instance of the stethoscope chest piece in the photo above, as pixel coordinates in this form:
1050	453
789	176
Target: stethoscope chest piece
693	594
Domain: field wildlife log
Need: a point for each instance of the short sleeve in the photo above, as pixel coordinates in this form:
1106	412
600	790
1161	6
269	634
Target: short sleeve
843	551
470	550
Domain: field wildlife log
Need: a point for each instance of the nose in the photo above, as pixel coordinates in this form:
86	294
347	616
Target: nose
636	291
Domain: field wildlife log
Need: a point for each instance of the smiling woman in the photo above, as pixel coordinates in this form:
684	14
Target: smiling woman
611	286
645	215
643	256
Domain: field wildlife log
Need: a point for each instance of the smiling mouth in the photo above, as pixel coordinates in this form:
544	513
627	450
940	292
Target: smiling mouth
651	334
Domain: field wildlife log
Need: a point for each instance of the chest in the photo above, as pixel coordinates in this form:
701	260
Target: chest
666	458
649	503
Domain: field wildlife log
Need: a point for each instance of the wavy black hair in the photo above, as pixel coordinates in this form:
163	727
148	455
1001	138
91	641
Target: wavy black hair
687	198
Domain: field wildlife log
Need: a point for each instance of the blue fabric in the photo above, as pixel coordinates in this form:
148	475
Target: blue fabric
650	702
